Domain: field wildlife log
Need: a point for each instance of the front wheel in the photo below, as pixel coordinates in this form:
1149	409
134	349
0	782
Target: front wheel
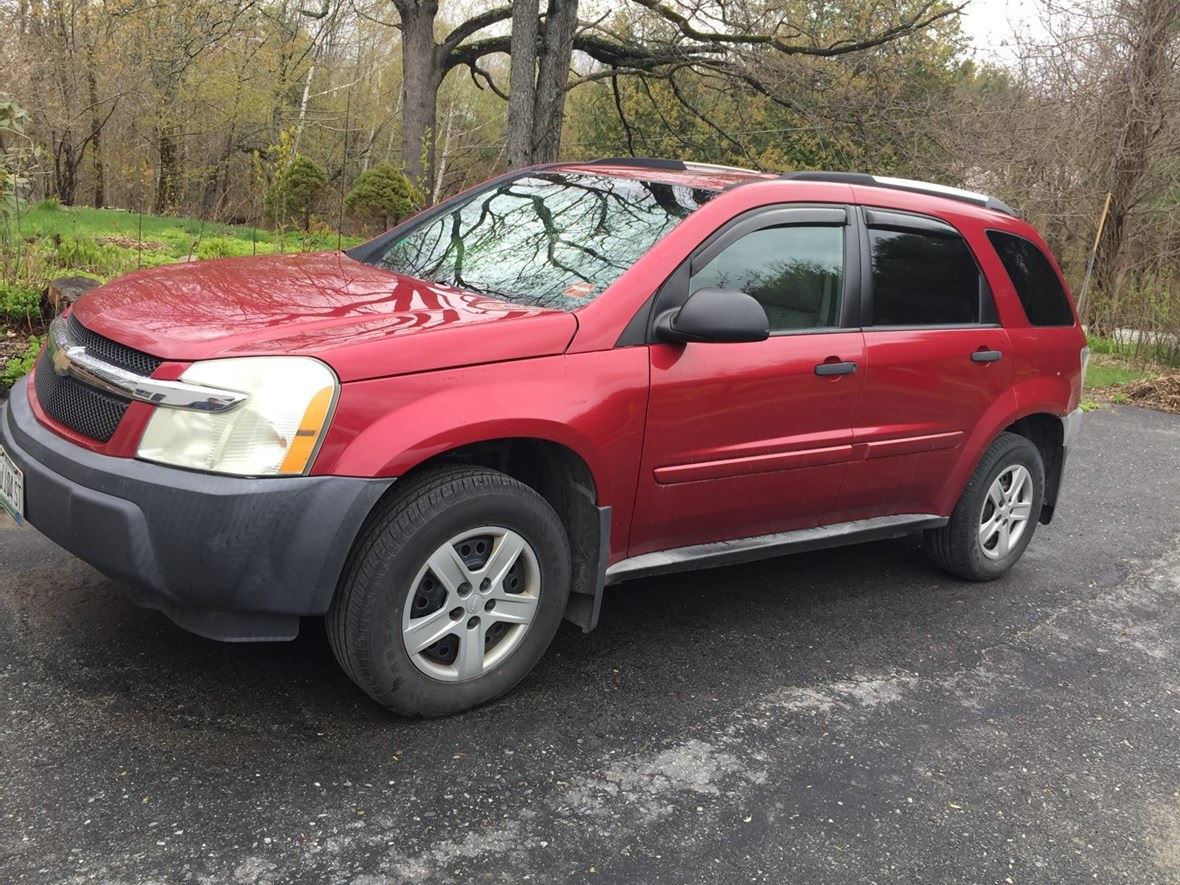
997	514
453	593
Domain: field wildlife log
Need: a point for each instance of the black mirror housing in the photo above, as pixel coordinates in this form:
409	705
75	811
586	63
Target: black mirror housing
715	315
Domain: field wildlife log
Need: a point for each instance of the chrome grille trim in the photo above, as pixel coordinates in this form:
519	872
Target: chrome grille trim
88	412
67	356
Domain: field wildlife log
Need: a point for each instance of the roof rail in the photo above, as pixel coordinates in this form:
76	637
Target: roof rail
656	163
906	184
691	164
638	162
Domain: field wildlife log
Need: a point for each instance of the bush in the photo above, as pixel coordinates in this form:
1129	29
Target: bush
73	272
20	365
1101	345
89	254
294	191
382	195
178	241
19	303
105	260
231	247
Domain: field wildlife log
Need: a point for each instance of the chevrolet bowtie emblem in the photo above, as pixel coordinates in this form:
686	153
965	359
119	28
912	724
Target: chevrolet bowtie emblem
61	361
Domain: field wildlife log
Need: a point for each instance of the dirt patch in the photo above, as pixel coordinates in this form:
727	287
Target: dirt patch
1161	392
12	342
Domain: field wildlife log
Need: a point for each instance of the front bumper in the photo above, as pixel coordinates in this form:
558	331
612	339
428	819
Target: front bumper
226	557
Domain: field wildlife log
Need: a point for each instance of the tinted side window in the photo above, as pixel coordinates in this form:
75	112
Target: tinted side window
797	273
922	279
1036	283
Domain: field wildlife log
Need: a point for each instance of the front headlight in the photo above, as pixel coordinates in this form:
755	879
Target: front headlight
275	431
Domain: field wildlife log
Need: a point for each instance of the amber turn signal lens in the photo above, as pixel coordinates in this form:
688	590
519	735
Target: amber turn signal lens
303	445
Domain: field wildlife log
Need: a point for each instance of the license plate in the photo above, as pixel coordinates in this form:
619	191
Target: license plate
12	488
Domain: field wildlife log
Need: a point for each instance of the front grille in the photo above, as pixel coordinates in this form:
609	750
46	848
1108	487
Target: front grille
84	409
112	351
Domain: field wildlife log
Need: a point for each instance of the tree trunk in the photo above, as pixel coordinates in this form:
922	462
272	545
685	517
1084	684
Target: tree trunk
169	186
436	193
96	124
522	83
422	73
553	68
65	169
303	100
282	65
1140	100
316	44
217	178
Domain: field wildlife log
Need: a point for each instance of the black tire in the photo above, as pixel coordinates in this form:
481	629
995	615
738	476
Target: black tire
365	620
956	546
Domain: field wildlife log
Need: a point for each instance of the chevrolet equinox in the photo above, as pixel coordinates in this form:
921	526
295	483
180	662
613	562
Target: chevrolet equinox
452	437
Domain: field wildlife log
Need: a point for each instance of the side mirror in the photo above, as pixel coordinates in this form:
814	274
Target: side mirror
717	315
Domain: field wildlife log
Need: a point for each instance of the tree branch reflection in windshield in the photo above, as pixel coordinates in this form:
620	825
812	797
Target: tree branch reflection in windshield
548	239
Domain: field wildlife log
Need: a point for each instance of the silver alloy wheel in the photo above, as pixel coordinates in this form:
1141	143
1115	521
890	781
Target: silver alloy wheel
481	591
1006	512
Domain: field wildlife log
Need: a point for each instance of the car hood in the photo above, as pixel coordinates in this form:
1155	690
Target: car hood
363	321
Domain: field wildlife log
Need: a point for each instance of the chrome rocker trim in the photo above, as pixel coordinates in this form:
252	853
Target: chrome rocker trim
69	358
766	546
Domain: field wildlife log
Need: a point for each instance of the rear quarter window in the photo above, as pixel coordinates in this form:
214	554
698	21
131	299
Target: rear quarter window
1034	279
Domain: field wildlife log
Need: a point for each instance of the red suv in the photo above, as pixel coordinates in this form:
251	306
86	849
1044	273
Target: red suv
453	436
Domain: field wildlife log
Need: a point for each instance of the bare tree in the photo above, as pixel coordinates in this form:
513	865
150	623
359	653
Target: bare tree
74	110
723	35
178	33
522	82
1148	31
540	72
425	62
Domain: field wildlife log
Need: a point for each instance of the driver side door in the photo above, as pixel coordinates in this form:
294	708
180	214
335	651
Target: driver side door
753	438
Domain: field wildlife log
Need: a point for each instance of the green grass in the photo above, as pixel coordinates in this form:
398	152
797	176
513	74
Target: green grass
179	235
1161	349
20	364
1107	372
57	241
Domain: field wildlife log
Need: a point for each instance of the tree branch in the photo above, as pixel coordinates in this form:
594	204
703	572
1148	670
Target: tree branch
477	72
474	25
926	15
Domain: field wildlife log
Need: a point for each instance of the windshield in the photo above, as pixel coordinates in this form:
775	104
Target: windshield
548	239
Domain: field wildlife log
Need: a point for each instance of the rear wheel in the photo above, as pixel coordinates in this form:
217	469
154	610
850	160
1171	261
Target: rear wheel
997	514
453	593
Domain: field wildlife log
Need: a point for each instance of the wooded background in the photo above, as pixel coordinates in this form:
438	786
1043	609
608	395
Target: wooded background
217	108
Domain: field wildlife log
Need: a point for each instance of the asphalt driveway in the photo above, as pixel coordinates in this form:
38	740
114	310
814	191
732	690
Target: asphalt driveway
841	716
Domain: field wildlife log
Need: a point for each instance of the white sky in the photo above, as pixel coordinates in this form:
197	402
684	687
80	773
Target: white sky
991	24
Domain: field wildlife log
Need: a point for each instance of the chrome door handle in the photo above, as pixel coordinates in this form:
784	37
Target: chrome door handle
986	356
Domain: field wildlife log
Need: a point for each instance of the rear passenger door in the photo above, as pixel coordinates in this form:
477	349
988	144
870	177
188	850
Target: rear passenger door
936	359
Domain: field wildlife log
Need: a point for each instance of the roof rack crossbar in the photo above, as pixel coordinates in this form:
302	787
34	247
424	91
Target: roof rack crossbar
906	184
